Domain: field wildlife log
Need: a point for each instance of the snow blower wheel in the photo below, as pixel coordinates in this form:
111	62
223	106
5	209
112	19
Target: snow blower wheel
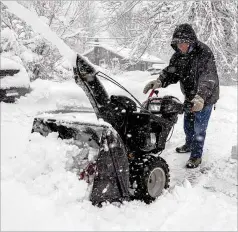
155	178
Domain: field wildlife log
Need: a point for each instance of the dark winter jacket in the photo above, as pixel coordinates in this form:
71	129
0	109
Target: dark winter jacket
196	70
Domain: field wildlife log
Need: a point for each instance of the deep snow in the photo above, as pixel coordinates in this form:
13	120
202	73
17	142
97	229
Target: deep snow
39	193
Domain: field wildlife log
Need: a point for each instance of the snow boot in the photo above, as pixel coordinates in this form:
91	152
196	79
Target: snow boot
193	162
183	149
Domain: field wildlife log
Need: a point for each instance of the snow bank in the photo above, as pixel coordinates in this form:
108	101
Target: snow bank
20	79
49	161
49	95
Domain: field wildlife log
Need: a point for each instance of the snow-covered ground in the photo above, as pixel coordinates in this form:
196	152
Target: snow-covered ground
39	193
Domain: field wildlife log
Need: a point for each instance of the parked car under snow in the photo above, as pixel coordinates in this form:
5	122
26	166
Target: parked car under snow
14	80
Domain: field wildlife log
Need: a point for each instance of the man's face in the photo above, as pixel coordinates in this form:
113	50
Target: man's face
183	47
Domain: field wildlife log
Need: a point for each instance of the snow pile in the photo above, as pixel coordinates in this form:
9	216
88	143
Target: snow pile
47	168
49	95
20	79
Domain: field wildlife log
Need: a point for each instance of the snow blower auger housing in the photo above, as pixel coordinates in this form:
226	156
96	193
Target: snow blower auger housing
128	141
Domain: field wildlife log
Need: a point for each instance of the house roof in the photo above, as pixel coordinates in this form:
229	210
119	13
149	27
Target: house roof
126	52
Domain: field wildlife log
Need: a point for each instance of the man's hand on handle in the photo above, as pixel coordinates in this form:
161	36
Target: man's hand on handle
198	102
152	85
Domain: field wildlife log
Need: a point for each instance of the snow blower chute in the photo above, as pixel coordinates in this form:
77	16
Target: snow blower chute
128	141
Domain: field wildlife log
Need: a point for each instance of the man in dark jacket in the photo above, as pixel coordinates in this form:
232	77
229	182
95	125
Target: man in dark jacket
192	64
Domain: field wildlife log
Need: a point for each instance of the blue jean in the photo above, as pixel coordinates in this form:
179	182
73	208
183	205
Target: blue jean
195	126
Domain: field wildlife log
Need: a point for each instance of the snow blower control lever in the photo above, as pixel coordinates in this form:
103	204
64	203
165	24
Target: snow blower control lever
156	92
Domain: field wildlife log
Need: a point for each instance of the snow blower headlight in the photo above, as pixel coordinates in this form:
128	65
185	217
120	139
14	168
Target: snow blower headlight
154	107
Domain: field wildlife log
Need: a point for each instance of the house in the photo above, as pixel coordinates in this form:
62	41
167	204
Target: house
119	58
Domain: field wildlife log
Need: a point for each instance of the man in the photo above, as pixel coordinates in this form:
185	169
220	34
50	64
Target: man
192	64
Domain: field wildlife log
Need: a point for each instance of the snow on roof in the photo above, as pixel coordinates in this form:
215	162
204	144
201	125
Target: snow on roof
126	52
88	51
159	66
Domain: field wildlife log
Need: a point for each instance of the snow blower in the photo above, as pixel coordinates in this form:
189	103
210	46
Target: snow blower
128	141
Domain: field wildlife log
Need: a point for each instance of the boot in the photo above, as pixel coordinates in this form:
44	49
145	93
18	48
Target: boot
193	162
183	149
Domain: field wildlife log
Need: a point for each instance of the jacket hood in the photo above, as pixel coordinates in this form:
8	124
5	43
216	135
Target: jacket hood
184	33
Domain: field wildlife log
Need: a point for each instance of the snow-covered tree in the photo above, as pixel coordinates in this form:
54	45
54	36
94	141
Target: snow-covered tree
214	21
143	26
124	23
73	21
18	41
216	25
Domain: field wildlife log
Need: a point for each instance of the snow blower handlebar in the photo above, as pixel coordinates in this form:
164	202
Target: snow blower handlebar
151	93
154	92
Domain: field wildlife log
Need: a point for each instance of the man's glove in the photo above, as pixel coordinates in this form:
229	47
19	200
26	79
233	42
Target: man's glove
152	85
198	103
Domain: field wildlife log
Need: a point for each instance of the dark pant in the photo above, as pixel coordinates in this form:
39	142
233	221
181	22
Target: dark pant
195	126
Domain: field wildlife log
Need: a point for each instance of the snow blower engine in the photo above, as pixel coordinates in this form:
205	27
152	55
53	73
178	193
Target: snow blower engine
128	140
